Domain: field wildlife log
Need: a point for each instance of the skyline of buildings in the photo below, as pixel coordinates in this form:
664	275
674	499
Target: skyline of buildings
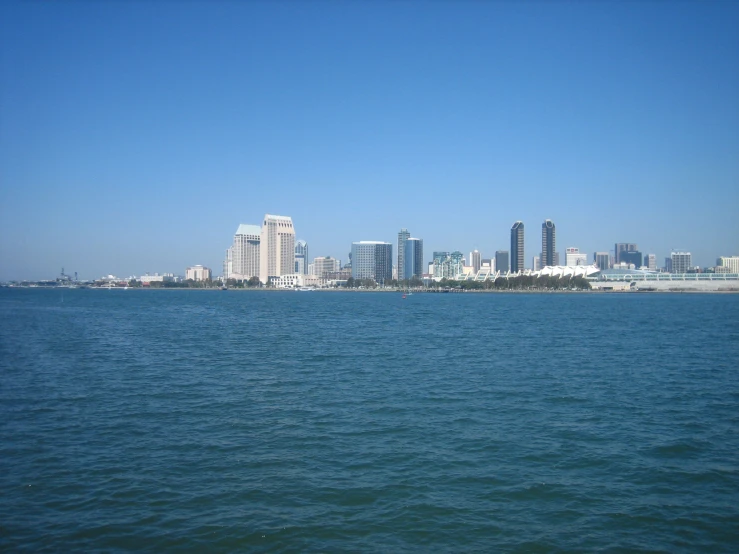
271	252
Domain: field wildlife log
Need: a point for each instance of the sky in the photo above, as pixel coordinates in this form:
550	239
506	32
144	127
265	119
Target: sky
136	136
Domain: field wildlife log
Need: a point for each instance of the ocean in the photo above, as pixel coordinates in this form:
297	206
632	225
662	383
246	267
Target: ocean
185	420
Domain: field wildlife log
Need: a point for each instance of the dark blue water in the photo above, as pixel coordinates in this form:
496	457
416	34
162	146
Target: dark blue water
283	422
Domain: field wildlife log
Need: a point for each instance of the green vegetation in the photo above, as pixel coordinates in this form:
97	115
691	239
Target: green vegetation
353	283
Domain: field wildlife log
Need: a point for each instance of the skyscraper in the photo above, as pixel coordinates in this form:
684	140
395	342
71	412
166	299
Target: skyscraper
245	253
475	260
413	255
602	260
650	260
622	247
403	236
372	260
301	257
277	250
517	261
548	243
501	261
681	262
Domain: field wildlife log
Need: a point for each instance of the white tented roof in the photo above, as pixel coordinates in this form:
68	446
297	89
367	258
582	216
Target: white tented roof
567	271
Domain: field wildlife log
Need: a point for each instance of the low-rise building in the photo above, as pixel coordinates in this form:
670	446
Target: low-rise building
198	273
156	278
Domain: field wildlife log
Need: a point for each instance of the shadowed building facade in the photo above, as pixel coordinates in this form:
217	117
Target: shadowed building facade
372	260
517	261
548	243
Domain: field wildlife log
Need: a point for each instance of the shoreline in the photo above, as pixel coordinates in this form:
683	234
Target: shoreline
387	291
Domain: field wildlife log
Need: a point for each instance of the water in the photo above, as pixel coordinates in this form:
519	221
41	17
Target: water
284	422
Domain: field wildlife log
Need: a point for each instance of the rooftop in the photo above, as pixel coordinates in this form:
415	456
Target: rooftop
248	229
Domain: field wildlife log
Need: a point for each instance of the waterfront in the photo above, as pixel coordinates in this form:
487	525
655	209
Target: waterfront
292	422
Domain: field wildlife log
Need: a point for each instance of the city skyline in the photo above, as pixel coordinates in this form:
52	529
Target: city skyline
615	120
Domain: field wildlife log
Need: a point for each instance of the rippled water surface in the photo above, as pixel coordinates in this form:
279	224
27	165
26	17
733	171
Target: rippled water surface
282	422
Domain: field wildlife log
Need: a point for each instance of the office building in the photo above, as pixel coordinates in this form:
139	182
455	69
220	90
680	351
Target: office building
622	247
277	248
242	259
650	262
681	262
372	260
574	258
602	260
475	260
198	273
322	267
413	255
403	236
729	262
517	251
301	257
632	257
536	263
548	243
501	261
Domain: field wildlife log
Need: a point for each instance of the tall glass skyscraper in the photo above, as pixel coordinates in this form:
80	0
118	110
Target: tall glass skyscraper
517	261
413	254
548	243
403	236
301	257
372	260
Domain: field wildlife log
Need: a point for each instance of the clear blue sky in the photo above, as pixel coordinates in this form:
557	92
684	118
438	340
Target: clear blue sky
137	136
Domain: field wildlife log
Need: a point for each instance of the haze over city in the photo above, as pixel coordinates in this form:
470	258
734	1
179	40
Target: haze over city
137	137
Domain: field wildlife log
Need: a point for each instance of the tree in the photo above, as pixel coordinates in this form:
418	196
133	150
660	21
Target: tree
253	282
350	283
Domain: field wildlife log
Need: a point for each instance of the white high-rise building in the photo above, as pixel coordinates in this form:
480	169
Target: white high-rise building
574	258
651	262
242	259
228	263
680	262
730	262
277	248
